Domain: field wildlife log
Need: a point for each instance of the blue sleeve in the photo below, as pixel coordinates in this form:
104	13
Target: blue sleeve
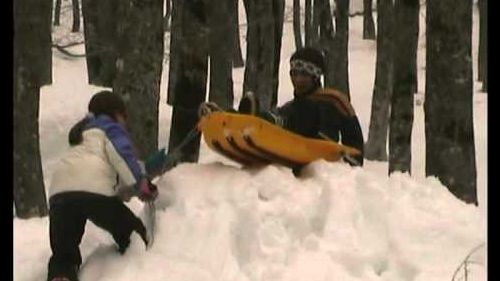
120	140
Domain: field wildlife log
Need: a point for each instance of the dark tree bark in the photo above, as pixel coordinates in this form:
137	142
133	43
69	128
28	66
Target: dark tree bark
315	23
168	13
483	44
406	14
263	47
376	145
368	23
308	23
188	73
449	127
341	67
234	16
221	48
139	65
76	16
296	24
327	41
57	12
279	18
100	26
32	69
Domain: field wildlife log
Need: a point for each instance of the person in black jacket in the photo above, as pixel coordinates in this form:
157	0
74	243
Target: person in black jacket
314	112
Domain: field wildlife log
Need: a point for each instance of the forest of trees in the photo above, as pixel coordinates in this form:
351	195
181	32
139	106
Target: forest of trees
124	44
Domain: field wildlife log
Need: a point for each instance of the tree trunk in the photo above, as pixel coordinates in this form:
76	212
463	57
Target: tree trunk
406	14
279	18
187	89
449	127
315	22
326	41
368	24
100	26
250	76
221	47
139	66
76	16
261	52
483	44
296	24
237	56
376	145
340	43
308	27
168	12
57	13
32	69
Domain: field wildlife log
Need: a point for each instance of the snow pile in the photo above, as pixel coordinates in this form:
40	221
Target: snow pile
219	222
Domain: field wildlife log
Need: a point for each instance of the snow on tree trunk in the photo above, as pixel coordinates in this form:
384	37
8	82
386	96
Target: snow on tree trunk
449	128
32	69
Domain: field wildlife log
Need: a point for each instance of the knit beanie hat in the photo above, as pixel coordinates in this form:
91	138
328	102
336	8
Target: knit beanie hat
107	103
308	60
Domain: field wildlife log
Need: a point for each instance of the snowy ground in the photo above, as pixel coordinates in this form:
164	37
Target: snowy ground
219	222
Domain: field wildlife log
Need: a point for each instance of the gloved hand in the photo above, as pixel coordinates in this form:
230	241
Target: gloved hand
147	190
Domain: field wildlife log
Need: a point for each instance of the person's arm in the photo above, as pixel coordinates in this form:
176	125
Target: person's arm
353	136
120	152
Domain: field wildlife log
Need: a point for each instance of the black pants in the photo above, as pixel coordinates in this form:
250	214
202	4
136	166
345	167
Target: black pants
68	214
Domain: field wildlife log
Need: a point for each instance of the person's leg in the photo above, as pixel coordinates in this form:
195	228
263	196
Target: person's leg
115	217
67	226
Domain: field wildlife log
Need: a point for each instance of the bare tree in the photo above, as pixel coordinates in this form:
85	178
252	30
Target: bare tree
376	145
340	50
308	23
449	127
368	24
76	16
168	13
138	72
406	14
483	44
100	26
221	47
263	48
234	17
296	24
188	73
32	69
57	12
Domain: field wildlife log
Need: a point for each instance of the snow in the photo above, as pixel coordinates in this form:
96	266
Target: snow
217	221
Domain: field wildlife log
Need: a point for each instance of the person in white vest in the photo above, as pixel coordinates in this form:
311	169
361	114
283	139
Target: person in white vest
84	185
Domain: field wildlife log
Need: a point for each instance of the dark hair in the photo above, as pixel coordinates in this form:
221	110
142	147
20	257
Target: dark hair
107	103
311	55
104	102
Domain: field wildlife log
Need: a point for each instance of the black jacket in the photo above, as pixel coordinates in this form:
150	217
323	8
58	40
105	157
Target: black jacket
324	111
